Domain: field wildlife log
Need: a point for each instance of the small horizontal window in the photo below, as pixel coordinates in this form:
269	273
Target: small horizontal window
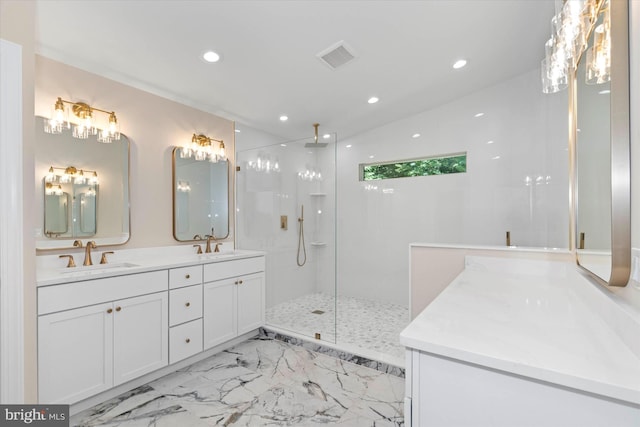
437	165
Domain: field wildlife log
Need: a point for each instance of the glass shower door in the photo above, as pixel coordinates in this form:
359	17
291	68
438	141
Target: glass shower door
285	206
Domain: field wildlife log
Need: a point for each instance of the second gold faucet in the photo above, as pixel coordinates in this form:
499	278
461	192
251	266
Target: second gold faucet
87	252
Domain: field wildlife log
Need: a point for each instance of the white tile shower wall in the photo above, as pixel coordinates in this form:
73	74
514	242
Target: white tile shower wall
263	197
516	180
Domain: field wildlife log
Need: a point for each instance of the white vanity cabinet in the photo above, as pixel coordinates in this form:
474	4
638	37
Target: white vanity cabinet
233	299
185	312
96	334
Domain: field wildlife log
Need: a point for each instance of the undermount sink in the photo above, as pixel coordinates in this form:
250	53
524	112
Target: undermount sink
97	269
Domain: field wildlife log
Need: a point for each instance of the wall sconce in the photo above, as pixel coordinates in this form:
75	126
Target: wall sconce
85	125
571	27
53	189
598	66
201	148
69	174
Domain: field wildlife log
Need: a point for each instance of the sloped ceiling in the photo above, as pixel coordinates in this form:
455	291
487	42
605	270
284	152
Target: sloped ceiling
404	53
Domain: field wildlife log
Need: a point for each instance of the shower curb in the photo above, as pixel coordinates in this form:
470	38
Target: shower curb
339	354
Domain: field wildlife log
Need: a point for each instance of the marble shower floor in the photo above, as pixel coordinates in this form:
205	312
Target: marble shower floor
371	328
260	382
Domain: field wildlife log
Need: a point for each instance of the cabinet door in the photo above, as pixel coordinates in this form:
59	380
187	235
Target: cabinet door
219	312
250	302
75	353
140	336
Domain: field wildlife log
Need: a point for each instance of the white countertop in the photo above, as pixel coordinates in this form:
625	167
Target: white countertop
51	269
529	320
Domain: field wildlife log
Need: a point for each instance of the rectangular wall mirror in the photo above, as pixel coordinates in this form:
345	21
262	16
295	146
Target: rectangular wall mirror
84	187
603	172
200	198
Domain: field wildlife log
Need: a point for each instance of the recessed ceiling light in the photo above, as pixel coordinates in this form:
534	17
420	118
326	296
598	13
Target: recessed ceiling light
373	100
283	145
371	156
237	130
415	135
211	56
349	146
495	158
604	92
479	115
489	142
284	118
459	64
326	136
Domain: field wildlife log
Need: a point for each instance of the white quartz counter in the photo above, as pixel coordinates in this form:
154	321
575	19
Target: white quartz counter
528	318
51	269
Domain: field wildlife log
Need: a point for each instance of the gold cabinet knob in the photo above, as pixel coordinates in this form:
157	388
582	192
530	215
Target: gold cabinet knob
188	304
188	276
109	310
188	340
241	282
118	308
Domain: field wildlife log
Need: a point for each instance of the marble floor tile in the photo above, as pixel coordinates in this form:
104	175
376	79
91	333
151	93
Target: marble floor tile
260	382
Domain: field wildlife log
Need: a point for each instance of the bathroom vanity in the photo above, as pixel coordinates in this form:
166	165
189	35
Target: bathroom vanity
102	326
522	342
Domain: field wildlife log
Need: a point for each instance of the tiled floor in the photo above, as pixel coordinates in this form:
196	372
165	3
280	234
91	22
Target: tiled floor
261	382
370	325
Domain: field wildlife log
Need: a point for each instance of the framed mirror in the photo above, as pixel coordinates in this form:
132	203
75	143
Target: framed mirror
200	198
602	150
85	189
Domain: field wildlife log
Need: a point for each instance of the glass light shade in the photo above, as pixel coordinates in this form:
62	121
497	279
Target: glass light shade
65	178
79	178
554	76
94	179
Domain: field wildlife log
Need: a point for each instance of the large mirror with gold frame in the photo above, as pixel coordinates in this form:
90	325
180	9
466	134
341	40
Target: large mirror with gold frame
84	188
602	149
200	198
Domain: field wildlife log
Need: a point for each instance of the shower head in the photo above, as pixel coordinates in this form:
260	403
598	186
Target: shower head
315	143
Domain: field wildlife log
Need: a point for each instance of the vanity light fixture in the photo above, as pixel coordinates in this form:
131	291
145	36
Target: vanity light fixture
183	186
51	189
69	174
84	121
201	148
571	27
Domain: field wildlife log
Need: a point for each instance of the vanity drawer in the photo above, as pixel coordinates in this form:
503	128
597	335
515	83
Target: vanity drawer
185	340
185	276
226	269
185	304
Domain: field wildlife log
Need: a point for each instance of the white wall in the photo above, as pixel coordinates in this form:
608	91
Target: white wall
529	134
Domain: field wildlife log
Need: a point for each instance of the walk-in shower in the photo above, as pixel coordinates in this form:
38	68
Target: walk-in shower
286	206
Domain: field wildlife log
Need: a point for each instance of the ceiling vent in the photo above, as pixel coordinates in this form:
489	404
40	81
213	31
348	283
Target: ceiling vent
337	55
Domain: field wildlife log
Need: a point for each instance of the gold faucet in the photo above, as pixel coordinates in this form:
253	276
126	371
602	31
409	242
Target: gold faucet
103	259
208	248
87	253
71	263
77	243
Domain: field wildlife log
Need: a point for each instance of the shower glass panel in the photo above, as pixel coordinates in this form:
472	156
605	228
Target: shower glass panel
286	207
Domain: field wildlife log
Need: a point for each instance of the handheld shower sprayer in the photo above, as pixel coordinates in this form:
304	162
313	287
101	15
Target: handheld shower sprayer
301	257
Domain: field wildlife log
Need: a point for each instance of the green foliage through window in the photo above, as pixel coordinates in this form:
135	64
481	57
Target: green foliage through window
453	163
